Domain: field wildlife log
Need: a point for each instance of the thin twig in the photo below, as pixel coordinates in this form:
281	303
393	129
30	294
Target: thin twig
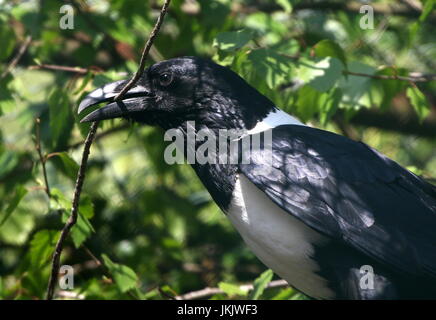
17	58
81	174
65	68
352	7
347	130
42	159
144	55
207	292
74	212
410	78
93	257
413	77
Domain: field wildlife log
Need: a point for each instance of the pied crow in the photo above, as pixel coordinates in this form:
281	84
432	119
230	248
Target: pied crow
332	216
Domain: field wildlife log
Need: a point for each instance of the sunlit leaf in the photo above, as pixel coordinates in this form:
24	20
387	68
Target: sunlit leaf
125	278
322	74
260	284
20	192
81	230
428	8
355	86
232	289
167	291
284	294
42	247
329	105
83	227
418	101
329	48
86	208
60	114
299	296
308	102
269	65
286	5
67	165
231	41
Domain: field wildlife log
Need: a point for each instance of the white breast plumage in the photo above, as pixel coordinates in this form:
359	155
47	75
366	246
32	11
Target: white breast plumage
279	240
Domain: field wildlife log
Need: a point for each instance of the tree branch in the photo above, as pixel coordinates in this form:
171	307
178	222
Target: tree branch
207	292
74	212
144	55
414	77
352	7
65	68
82	169
17	58
42	159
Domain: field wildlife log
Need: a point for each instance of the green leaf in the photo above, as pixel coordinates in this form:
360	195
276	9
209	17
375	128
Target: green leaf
232	289
284	294
42	247
260	284
67	165
354	87
84	83
299	296
286	5
7	38
168	291
214	13
103	78
81	230
322	74
415	170
5	91
428	7
19	194
417	25
83	227
418	101
308	102
266	24
329	105
269	65
231	41
125	278
86	208
329	48
60	114
390	88
8	161
58	201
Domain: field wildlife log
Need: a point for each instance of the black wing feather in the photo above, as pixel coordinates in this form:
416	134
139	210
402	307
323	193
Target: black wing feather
352	193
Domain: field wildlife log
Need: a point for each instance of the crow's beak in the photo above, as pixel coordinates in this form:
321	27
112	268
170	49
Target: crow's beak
135	100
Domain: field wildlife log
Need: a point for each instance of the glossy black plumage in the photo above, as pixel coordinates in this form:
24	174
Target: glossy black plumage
355	196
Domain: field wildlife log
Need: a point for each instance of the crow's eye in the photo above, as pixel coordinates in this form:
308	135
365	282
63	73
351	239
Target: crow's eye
165	79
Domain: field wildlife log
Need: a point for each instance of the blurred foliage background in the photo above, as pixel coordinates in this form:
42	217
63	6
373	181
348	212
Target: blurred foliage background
148	230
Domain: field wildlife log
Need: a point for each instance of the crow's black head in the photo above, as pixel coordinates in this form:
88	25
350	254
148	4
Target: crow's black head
174	91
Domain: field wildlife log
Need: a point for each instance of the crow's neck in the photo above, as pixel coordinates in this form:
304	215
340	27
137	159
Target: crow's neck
216	175
230	112
220	115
